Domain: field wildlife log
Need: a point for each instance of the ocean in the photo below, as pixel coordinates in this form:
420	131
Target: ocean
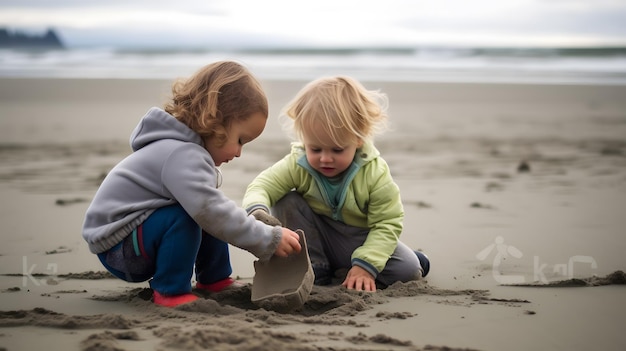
422	64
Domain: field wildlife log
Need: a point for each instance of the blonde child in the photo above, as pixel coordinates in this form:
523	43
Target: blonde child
335	186
159	211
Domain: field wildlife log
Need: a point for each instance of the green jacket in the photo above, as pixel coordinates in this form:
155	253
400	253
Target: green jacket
369	199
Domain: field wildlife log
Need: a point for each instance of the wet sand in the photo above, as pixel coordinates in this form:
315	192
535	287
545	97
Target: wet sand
515	192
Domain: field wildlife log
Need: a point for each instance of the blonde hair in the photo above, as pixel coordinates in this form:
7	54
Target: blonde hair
216	96
341	106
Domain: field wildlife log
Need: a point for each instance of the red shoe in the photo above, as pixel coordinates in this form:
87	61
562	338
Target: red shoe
224	284
173	300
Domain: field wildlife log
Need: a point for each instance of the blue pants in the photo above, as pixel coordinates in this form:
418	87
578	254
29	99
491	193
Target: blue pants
165	247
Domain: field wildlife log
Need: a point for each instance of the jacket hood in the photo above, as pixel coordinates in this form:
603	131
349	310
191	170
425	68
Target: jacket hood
157	124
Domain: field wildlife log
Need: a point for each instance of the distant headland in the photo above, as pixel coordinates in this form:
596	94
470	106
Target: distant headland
20	40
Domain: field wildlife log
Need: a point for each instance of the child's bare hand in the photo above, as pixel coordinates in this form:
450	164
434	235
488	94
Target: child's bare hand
289	244
359	279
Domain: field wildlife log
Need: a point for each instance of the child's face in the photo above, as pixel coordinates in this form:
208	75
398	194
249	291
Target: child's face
325	156
240	133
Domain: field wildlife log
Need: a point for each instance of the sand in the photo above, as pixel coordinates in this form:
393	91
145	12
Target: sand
515	192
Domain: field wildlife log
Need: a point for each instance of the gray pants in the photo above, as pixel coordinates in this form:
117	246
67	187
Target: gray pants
331	242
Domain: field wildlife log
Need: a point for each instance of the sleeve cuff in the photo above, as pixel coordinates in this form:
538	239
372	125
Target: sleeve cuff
250	209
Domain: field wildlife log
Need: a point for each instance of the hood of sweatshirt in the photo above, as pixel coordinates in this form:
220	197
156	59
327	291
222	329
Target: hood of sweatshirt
158	125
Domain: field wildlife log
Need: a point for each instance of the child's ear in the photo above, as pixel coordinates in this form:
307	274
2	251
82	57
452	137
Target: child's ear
359	143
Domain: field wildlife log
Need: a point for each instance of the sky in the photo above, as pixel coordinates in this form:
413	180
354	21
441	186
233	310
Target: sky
325	23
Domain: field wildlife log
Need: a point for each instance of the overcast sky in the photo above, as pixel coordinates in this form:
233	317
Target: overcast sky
323	22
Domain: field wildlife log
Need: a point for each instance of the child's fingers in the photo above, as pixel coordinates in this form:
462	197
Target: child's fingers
358	279
295	243
290	244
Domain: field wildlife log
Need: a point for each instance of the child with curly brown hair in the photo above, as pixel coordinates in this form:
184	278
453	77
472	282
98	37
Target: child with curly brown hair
159	211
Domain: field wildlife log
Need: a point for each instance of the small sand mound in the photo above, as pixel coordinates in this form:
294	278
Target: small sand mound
615	278
42	317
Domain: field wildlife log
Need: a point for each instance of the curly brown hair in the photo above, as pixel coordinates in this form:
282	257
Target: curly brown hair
216	96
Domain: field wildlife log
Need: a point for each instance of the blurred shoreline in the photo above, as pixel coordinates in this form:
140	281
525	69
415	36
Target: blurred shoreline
545	65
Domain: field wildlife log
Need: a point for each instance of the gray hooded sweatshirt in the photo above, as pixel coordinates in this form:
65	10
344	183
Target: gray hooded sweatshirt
169	165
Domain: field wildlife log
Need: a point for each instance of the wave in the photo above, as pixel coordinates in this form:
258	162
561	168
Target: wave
312	51
594	65
536	52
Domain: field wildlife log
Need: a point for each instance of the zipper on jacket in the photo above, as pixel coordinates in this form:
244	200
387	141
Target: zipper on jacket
335	210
